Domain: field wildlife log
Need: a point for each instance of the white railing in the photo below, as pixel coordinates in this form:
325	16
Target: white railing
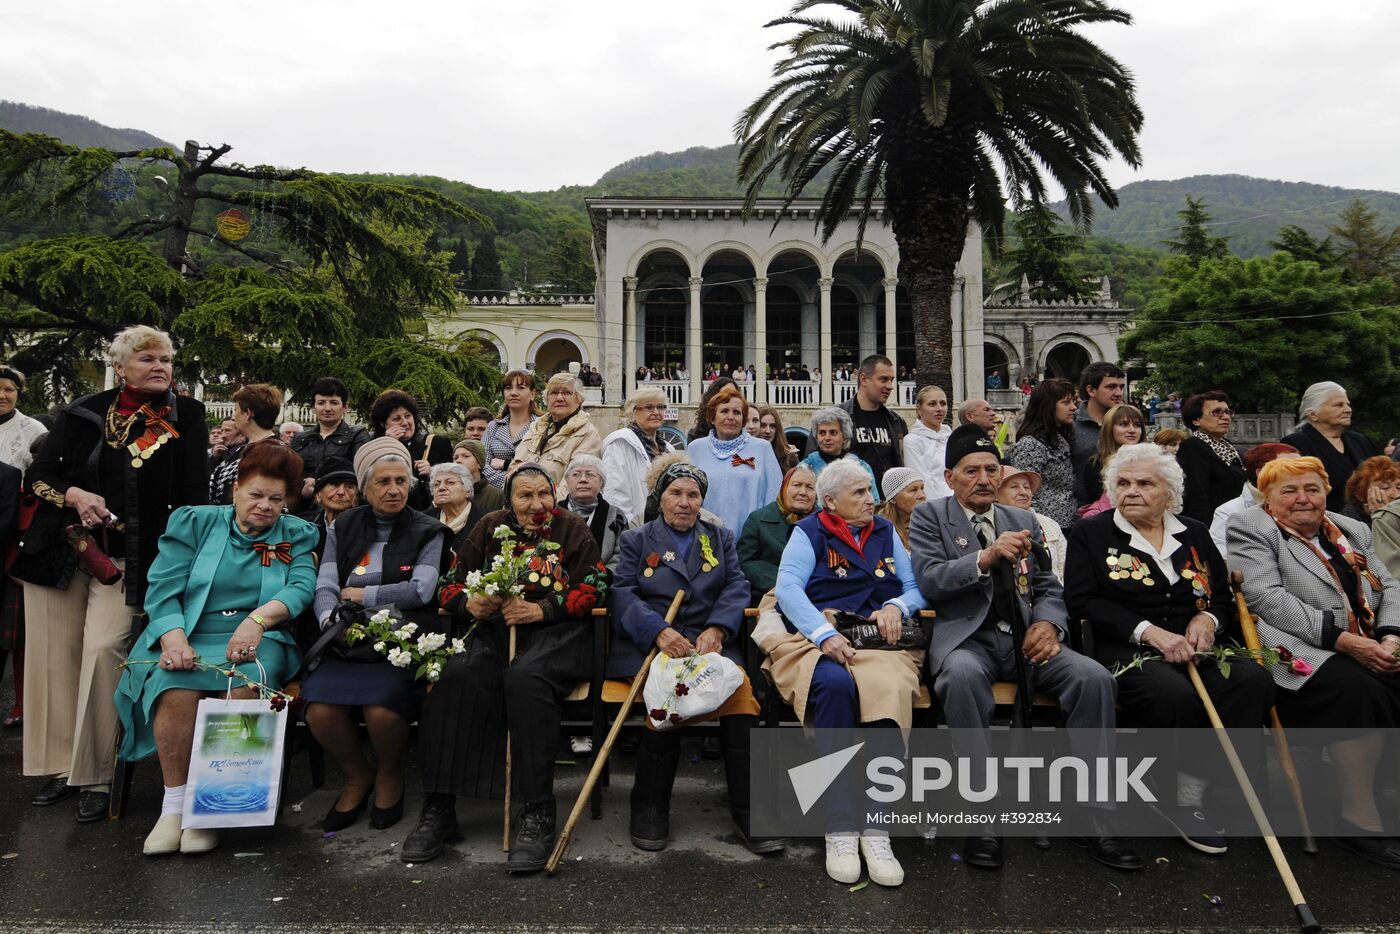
800	392
677	390
907	393
290	413
843	390
592	395
747	388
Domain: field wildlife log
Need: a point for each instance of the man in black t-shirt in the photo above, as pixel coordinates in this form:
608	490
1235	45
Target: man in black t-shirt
879	433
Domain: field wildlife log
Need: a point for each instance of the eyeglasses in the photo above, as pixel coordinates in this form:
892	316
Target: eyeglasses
1219	413
658	407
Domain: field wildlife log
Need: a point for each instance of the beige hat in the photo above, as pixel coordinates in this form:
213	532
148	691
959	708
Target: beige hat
1007	472
375	451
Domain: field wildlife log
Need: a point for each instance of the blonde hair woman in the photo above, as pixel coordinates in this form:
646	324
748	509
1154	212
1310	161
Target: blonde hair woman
562	433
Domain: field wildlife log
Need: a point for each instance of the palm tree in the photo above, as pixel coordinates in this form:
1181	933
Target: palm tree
944	108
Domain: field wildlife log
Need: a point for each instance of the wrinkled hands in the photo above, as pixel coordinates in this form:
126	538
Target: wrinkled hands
838	649
1008	546
711	640
521	612
890	621
91	508
1174	648
1200	632
243	644
673	643
1374	656
1042	642
175	652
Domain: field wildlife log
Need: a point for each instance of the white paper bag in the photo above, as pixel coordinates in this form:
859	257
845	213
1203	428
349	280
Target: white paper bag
236	764
706	683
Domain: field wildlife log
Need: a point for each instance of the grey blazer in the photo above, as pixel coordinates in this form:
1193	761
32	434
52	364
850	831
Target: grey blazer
944	548
1293	594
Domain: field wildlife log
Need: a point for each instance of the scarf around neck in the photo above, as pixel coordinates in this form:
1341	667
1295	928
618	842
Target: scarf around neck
1222	448
1362	623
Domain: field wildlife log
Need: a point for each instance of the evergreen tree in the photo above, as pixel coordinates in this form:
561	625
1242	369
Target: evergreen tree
1193	240
1299	244
1041	255
461	263
1364	250
486	273
335	286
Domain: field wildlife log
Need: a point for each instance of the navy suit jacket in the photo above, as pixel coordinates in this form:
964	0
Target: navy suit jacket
717	597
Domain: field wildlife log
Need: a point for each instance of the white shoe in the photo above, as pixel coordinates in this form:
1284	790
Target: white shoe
884	869
164	837
198	841
843	857
581	745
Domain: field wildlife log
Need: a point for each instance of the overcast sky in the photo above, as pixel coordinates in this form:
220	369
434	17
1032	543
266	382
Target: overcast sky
534	95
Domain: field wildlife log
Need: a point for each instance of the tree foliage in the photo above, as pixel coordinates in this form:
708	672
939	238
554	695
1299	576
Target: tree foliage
486	273
335	282
1040	253
1263	329
1193	239
1364	249
1299	244
945	109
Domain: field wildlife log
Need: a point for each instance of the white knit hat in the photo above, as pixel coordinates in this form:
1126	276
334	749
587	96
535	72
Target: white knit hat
896	479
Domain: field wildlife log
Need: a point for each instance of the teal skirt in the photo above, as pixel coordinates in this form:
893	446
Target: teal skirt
143	680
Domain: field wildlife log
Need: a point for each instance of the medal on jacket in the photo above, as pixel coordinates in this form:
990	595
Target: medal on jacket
1198	574
653	560
1023	579
158	432
360	568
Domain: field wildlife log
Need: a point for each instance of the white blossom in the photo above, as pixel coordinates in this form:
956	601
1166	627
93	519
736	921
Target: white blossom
433	675
381	617
492	589
473	580
431	642
399	658
459	646
379	647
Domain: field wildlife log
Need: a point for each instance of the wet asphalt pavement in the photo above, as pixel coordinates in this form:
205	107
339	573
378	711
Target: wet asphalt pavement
58	875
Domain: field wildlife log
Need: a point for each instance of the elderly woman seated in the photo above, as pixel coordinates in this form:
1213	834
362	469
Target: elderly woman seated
585	479
563	432
1323	595
680	551
453	497
768	529
378	554
1150	581
904	489
845	559
485	695
1018	488
224	583
1373	486
832	432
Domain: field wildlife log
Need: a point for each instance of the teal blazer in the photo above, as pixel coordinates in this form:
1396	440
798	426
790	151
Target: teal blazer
189	558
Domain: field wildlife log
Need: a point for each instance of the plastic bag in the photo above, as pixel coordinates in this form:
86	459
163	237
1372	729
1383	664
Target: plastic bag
236	764
681	689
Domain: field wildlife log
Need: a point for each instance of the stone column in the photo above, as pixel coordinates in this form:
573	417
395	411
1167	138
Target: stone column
760	339
694	361
630	359
867	329
891	343
825	331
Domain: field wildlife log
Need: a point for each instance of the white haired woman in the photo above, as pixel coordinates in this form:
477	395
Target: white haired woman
832	431
377	554
118	463
1324	431
562	433
451	486
628	453
1152	582
845	559
586	480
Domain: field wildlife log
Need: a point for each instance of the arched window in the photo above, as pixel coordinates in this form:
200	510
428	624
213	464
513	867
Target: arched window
722	314
666	312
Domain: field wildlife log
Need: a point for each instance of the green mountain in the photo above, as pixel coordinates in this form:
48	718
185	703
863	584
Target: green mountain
73	129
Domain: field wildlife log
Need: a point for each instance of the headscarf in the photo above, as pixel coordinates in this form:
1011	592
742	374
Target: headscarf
788	515
374	451
678	471
527	467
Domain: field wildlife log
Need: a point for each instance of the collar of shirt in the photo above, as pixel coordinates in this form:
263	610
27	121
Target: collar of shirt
973	517
1172	527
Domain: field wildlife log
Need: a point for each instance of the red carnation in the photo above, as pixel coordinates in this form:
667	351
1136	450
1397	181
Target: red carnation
279	702
1284	655
658	714
675	718
681	689
581	599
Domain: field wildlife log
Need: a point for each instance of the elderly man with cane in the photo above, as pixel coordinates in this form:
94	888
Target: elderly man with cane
959	543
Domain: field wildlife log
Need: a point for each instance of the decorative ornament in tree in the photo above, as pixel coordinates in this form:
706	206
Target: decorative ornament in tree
233	225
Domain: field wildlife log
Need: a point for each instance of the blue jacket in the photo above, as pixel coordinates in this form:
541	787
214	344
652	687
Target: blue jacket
717	597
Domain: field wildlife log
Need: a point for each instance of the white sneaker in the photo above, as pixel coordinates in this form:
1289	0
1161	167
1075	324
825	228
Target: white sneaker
198	841
164	837
884	869
843	857
581	745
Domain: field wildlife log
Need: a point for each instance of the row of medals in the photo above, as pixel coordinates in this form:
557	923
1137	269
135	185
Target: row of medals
1122	568
139	457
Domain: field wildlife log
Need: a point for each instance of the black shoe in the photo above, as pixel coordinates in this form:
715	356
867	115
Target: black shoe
983	851
1375	847
762	846
384	818
92	806
710	748
1108	849
650	827
337	820
54	791
734	744
534	838
657	758
436	826
1193	828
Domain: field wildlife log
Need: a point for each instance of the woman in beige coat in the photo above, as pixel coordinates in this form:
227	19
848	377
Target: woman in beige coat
563	432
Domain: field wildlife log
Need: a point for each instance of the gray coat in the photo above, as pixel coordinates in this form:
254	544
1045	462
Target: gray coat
1293	593
944	547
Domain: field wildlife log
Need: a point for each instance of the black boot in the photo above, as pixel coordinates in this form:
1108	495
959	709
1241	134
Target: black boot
734	738
534	838
657	757
436	826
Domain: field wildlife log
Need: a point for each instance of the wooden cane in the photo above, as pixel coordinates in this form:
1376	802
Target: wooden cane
601	758
505	831
1306	922
1285	755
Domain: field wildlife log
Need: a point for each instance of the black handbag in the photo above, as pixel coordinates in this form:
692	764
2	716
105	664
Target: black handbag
861	633
44	556
347	613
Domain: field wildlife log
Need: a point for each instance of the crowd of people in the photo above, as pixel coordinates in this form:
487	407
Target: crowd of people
251	546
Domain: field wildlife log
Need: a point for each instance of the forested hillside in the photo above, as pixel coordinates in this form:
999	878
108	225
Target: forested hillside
71	128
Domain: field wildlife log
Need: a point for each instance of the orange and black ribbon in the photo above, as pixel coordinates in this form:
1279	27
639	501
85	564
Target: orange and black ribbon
282	551
738	461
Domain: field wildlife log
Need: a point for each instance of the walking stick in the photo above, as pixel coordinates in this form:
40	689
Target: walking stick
1285	756
1306	922
601	758
505	830
1024	699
